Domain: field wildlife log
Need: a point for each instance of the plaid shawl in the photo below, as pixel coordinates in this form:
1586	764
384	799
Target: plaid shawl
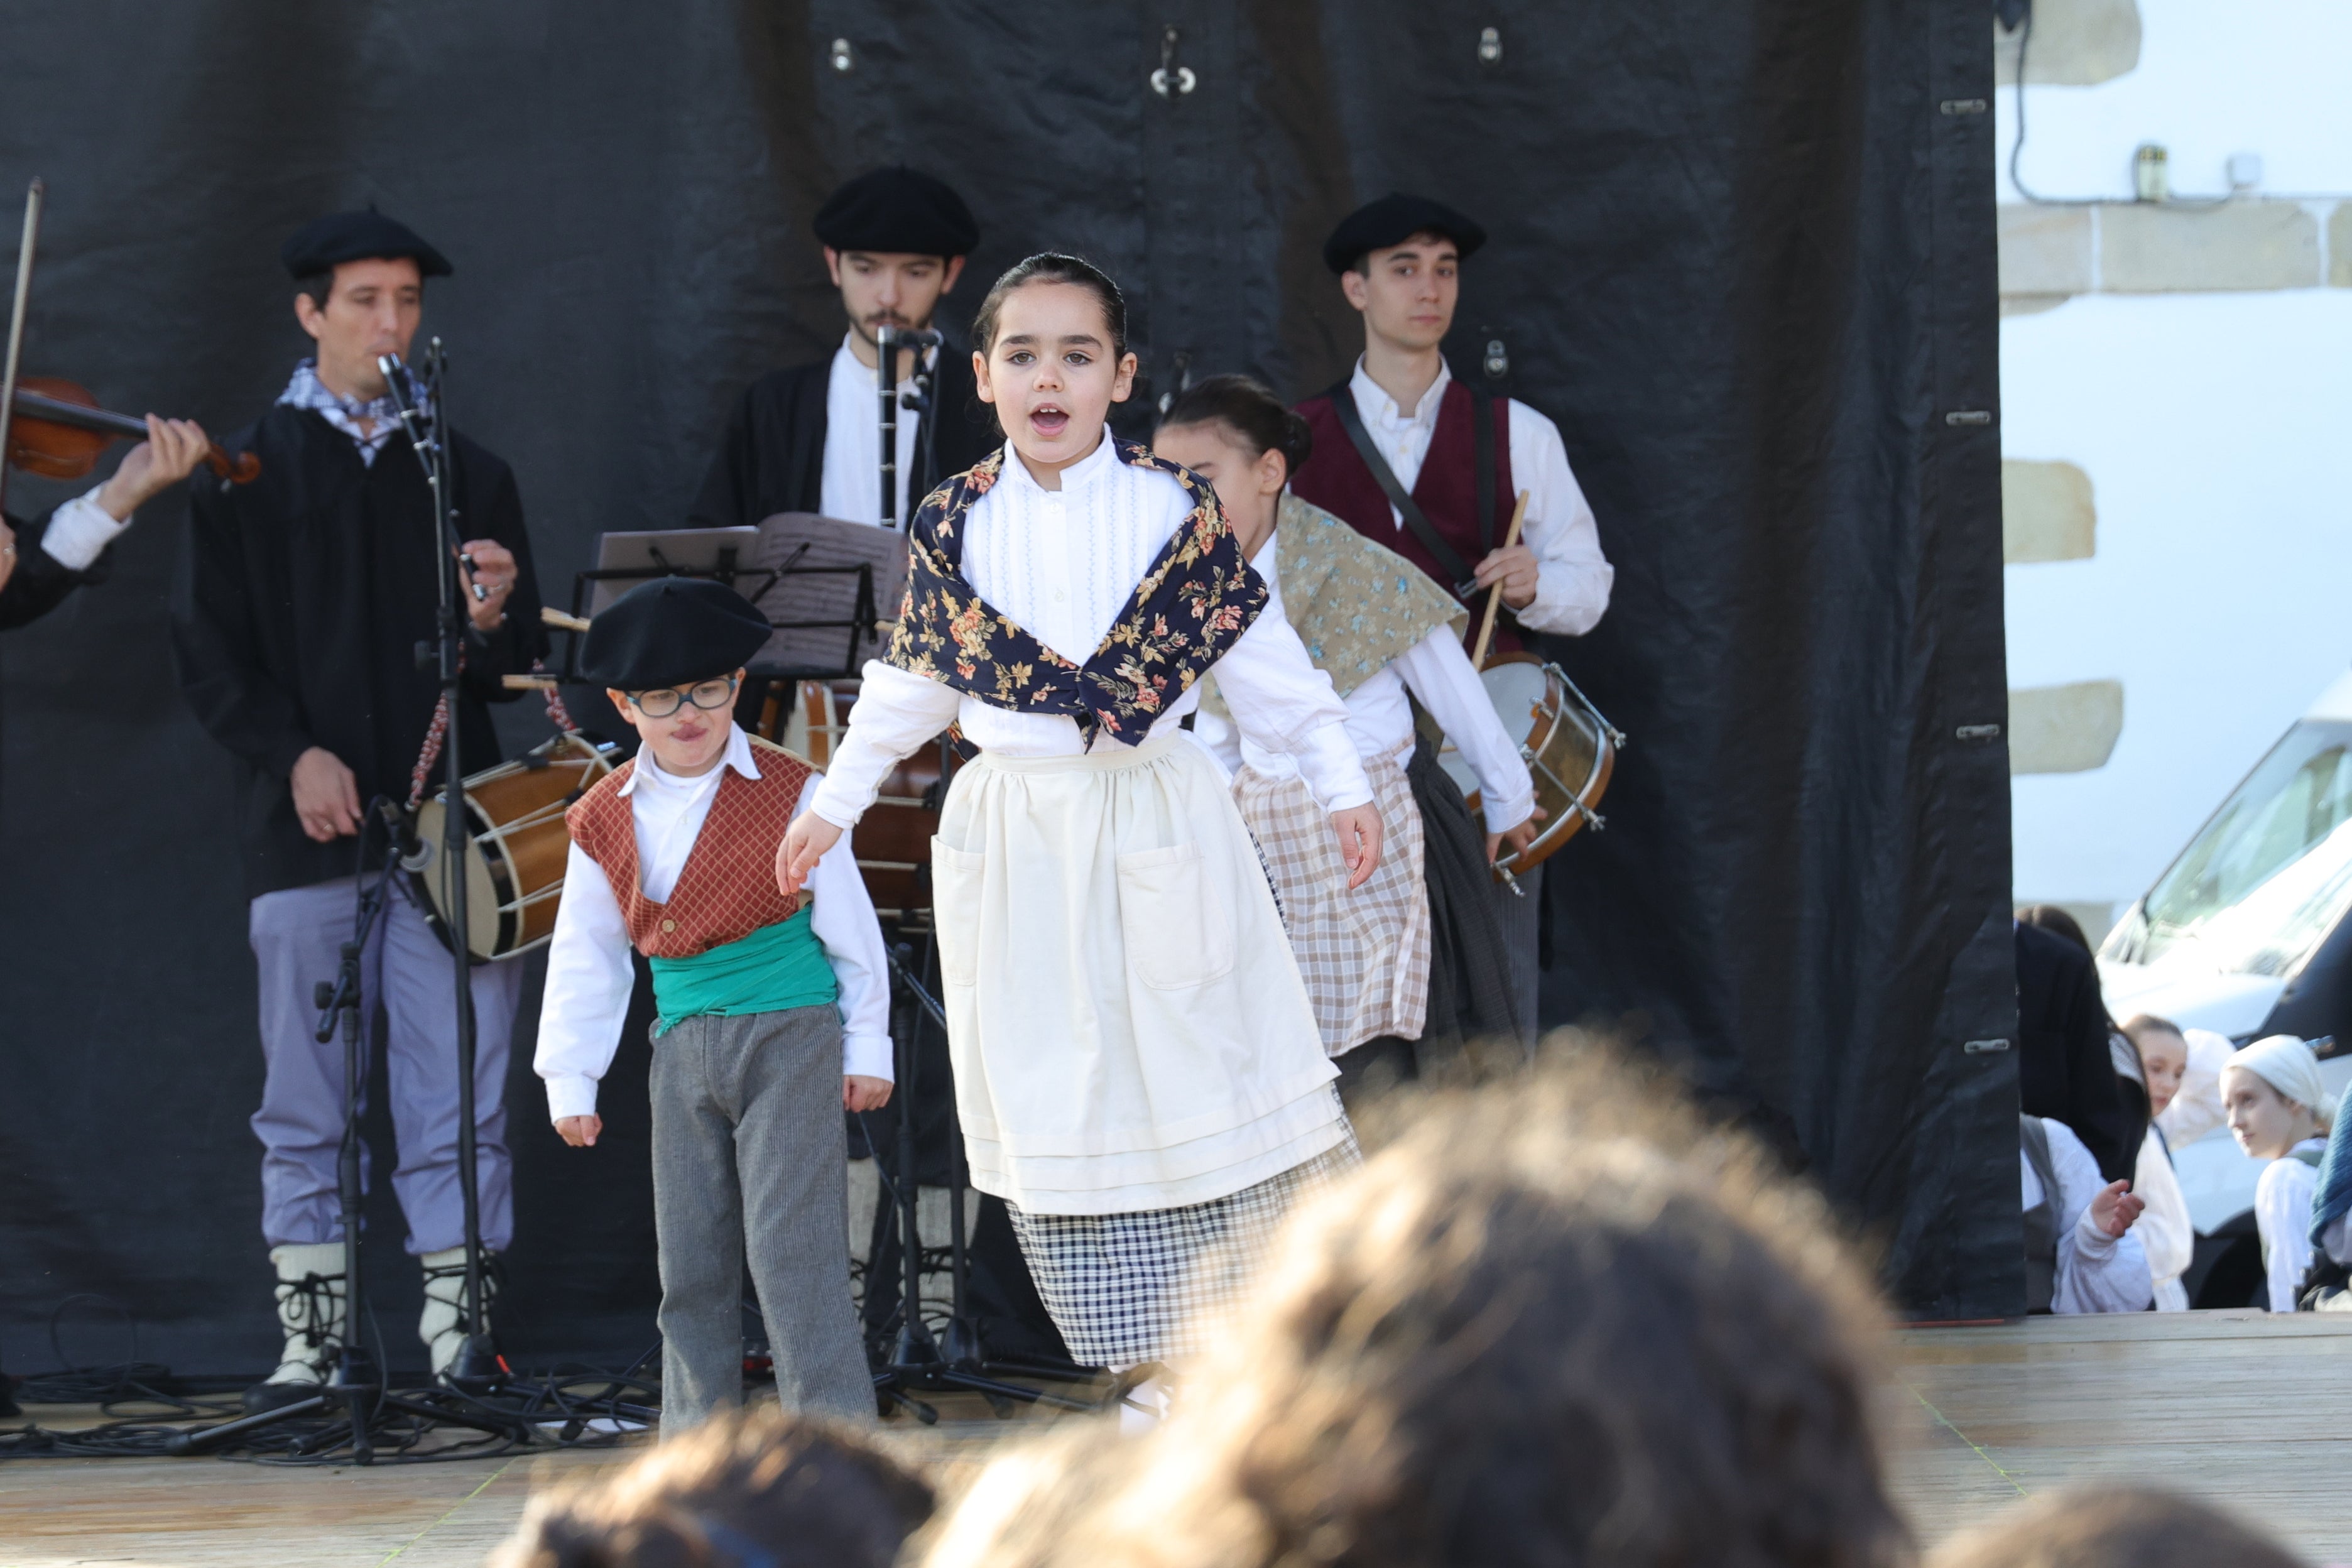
1189	608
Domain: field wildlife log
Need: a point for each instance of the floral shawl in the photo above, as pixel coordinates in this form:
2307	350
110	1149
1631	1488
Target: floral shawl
1197	599
1355	603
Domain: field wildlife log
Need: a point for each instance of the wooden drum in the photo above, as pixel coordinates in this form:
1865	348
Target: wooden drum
516	845
893	839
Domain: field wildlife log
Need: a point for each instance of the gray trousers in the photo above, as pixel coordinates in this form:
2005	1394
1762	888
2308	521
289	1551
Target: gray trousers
751	1156
1522	930
296	936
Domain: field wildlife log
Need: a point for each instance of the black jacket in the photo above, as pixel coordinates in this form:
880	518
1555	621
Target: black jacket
297	608
772	458
40	580
2063	1070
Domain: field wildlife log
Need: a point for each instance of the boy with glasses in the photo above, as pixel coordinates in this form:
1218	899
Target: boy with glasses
772	1013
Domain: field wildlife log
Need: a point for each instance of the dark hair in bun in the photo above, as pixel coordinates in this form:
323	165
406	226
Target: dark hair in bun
1249	408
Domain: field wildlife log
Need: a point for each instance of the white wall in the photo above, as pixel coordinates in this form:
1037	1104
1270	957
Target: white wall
2217	432
2272	76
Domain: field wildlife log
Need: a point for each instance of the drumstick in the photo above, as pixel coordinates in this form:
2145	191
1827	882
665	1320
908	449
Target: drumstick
1495	595
527	682
549	616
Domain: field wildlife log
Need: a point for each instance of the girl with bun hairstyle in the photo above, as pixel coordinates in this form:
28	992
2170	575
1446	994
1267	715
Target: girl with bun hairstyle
1401	968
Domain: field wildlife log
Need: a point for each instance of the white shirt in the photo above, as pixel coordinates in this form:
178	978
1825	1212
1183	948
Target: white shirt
852	476
1380	718
2282	1214
589	975
1063	564
2165	1231
79	532
2096	1272
1573	577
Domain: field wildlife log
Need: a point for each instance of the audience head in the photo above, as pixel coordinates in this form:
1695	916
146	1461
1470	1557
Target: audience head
756	1489
2108	1526
1548	1324
2163	1057
2274	1098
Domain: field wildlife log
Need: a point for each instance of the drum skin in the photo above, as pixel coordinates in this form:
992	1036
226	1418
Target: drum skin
517	846
1570	750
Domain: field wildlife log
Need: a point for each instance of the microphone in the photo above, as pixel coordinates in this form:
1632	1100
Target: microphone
906	338
397	380
414	854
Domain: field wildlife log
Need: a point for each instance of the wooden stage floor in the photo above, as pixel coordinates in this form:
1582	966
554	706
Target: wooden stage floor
2234	1406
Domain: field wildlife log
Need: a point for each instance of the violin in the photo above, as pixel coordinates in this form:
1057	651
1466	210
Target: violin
53	427
58	430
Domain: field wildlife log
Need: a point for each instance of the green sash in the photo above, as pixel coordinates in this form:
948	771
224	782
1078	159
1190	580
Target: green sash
775	968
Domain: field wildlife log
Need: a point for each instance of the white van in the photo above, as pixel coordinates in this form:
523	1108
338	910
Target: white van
2246	932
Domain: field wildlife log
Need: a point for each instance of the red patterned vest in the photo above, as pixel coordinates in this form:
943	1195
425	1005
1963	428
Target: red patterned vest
1334	477
728	889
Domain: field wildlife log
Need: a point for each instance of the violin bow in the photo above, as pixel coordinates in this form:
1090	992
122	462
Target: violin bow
33	195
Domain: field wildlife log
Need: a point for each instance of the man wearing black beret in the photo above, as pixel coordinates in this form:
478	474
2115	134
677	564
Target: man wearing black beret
809	438
1432	468
297	607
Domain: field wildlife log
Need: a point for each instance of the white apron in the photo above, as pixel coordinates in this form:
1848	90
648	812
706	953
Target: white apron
1127	1024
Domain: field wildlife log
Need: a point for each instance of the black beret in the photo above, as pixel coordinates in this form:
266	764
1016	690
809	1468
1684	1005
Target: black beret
898	209
321	243
1393	219
672	631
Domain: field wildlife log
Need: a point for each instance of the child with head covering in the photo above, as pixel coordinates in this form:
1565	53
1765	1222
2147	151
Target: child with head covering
2279	1110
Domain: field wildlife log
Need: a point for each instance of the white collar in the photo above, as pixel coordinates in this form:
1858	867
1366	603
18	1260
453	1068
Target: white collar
738	757
1371	395
1076	476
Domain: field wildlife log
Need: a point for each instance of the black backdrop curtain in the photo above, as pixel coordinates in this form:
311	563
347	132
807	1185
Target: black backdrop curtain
1743	254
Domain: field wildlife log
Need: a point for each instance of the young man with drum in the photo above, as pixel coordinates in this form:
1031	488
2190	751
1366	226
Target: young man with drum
1410	456
772	1013
299	603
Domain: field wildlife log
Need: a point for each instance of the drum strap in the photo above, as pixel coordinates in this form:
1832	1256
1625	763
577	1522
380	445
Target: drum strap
436	735
1465	584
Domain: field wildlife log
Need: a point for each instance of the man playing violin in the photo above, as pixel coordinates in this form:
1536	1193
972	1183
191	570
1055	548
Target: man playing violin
42	562
299	604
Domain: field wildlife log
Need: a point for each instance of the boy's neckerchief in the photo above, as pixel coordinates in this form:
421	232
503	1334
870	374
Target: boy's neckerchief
1189	608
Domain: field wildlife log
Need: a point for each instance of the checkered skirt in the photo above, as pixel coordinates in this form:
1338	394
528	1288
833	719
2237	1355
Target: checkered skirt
1153	1285
1363	955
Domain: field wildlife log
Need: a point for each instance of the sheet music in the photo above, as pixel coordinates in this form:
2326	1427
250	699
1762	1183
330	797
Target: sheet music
805	541
782	566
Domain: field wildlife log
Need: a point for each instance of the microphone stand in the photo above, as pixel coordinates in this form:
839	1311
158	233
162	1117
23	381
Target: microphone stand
428	430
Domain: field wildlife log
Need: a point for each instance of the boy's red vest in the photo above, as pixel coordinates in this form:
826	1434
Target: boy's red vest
728	889
1334	477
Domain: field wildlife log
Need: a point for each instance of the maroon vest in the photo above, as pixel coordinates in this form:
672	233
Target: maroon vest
1334	477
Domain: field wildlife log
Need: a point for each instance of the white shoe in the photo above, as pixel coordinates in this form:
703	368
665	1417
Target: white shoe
443	1325
311	1308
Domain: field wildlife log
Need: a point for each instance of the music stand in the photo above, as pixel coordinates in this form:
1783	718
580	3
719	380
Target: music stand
816	595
